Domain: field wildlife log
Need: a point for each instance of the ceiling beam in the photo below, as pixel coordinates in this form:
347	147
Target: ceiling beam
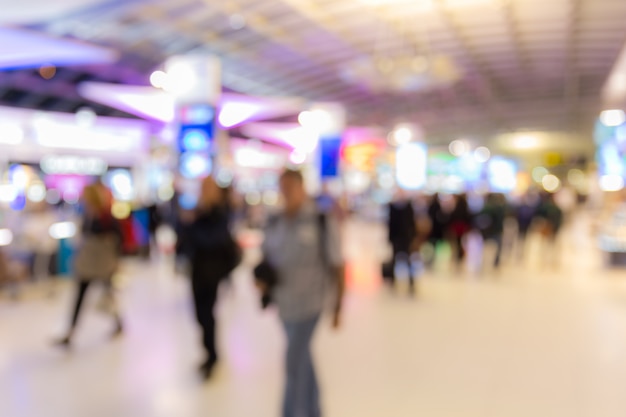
571	74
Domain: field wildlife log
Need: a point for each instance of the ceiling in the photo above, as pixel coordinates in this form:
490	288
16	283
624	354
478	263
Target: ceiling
525	64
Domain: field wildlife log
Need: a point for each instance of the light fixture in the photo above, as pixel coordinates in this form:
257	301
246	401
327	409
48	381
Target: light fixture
402	135
11	134
62	230
36	193
158	79
232	114
411	166
525	142
6	237
482	154
8	193
180	79
86	117
459	147
538	173
551	183
611	182
297	157
612	118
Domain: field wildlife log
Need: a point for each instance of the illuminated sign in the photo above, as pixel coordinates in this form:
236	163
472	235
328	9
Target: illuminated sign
411	166
502	174
73	165
329	156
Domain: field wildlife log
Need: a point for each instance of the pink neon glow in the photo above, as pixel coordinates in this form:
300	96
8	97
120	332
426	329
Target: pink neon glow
22	48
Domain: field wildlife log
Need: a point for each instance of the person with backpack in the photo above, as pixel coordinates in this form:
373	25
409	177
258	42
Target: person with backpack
302	246
213	254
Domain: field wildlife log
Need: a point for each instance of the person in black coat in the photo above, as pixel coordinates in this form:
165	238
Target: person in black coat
402	233
438	226
208	244
460	225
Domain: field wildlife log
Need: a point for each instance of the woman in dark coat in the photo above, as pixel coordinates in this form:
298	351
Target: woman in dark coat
209	245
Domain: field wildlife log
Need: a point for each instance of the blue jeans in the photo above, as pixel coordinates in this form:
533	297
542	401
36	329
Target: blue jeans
301	397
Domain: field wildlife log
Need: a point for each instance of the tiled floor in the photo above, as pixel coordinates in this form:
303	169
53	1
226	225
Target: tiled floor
529	340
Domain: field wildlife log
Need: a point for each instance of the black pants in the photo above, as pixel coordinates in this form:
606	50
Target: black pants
204	297
81	291
402	253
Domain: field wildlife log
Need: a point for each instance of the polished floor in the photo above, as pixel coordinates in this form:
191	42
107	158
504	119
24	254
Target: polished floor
541	337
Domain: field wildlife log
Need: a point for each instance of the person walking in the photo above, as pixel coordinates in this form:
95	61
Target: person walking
438	226
211	251
402	233
460	225
97	257
303	247
491	223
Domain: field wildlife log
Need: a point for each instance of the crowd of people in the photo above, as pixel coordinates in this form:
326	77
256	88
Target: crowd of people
301	264
418	227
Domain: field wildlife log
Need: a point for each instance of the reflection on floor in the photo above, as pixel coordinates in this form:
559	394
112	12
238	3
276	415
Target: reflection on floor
523	341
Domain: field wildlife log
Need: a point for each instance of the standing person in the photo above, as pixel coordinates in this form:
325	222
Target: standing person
491	223
525	214
98	254
438	225
304	249
552	216
209	246
402	233
460	225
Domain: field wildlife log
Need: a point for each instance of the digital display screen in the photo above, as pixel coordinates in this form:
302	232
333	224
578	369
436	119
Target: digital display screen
330	156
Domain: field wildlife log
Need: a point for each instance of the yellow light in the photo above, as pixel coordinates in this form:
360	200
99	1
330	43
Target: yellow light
550	183
120	210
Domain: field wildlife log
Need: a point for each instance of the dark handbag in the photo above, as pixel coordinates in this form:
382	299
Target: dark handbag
388	270
265	273
235	255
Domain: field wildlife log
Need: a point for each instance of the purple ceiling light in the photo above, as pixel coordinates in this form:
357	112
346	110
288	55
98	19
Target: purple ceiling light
155	104
25	49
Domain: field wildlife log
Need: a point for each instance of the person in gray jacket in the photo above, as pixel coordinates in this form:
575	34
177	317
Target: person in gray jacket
303	247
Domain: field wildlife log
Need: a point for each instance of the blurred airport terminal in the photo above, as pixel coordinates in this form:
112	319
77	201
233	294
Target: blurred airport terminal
306	208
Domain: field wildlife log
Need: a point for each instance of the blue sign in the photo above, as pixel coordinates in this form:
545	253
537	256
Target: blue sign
195	139
330	157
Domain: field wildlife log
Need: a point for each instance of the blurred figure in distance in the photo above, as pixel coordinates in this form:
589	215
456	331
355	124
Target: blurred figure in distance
552	219
303	246
460	225
525	214
438	226
98	254
491	223
402	230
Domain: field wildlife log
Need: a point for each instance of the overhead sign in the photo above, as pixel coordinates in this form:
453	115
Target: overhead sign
76	165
